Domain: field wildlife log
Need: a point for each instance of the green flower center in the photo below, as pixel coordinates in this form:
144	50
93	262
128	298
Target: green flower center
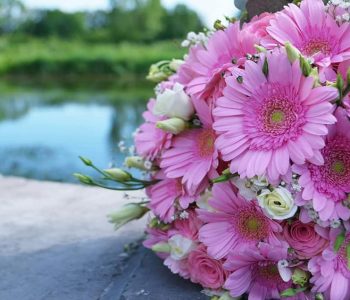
277	116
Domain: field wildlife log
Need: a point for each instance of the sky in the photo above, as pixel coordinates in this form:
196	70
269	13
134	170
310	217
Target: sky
210	10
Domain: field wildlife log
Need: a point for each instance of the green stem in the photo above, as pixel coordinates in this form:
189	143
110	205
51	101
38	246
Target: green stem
117	189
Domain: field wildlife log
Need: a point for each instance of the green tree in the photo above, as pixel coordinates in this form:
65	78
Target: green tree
179	21
136	20
56	23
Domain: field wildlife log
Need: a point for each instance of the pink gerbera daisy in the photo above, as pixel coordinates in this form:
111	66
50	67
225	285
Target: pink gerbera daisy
313	31
150	140
327	185
255	271
166	194
203	70
233	223
263	122
193	155
330	272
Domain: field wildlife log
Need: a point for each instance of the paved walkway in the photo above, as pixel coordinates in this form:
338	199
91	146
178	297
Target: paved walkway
56	244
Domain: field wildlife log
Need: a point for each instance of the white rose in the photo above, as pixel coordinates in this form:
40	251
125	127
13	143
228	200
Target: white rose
180	247
278	204
174	103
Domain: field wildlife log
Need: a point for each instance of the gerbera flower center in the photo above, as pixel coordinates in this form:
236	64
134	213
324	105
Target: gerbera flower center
338	167
268	274
251	224
316	46
333	178
337	161
206	141
277	116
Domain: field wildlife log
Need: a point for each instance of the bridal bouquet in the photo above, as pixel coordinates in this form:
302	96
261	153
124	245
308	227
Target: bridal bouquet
245	151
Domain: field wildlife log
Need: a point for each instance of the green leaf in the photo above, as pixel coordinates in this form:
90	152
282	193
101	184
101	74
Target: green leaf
292	292
348	254
339	241
266	67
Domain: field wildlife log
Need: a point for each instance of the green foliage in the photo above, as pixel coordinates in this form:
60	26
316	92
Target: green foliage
179	21
127	20
136	20
54	57
56	23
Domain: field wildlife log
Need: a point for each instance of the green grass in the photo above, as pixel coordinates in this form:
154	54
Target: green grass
66	59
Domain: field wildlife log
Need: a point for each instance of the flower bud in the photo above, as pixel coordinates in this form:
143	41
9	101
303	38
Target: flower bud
218	25
340	83
118	174
175	64
86	161
83	178
314	73
128	213
292	52
319	296
136	162
300	277
160	71
260	49
173	125
305	66
161	247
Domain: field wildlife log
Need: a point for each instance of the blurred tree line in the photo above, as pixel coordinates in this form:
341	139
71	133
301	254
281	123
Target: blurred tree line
126	20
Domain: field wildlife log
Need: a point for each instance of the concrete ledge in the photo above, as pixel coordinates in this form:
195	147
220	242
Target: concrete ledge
56	243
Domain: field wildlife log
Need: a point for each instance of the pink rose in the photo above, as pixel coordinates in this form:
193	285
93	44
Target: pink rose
304	239
258	25
205	270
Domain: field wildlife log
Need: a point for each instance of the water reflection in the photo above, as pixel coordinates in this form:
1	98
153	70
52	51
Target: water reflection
43	132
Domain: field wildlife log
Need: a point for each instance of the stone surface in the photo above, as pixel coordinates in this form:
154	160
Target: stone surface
256	7
56	243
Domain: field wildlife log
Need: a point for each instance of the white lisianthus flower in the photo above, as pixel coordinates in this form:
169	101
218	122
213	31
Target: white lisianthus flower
248	188
174	103
203	201
180	247
278	204
285	272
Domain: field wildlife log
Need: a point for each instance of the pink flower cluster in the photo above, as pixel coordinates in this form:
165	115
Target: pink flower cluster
252	192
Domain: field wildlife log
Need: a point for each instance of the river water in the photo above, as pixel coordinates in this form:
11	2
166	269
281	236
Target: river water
44	130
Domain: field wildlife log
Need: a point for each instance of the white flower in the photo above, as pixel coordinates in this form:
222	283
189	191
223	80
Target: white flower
278	204
180	247
285	272
203	201
174	103
248	188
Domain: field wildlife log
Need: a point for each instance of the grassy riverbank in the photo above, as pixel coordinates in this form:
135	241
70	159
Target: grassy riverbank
62	60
